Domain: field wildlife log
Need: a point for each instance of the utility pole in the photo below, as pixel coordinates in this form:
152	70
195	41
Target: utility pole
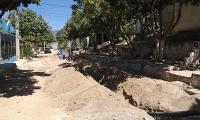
44	46
17	34
1	59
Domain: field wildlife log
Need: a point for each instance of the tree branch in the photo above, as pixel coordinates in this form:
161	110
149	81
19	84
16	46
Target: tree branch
6	9
151	16
160	5
177	20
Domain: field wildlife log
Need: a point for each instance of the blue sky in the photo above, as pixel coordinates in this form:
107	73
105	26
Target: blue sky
55	12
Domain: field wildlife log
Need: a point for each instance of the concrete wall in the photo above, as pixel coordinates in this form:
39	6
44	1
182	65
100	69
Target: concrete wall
149	68
146	50
177	50
54	45
189	19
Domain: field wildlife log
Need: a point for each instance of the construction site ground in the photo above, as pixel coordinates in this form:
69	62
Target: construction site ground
47	88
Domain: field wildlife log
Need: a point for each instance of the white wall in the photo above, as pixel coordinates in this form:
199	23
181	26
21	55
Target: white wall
190	19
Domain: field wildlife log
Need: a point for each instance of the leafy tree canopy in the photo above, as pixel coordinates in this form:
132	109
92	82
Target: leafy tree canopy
32	27
8	5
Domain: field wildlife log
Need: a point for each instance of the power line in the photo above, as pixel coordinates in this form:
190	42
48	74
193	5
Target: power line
55	5
52	13
47	17
60	1
56	16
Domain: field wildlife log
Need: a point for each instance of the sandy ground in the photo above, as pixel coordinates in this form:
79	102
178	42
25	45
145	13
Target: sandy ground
22	96
147	93
47	88
185	73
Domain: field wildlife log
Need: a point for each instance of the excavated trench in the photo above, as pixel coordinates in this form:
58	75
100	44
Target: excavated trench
110	76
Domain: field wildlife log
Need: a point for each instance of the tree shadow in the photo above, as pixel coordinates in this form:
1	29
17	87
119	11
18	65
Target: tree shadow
110	76
105	74
65	65
19	83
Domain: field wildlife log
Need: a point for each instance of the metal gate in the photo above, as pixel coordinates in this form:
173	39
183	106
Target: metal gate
8	47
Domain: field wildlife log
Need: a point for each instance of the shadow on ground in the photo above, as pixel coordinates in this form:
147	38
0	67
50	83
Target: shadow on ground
19	83
110	76
65	65
106	75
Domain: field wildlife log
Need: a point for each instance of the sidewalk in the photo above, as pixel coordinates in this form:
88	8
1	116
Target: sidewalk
185	73
20	62
7	68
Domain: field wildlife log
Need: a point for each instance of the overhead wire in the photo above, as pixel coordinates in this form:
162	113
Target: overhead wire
52	13
55	5
53	16
62	19
60	1
56	16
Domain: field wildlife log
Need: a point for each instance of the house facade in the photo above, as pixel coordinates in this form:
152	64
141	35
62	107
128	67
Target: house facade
183	42
7	42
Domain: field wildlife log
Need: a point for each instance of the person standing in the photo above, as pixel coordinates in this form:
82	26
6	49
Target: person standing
70	54
70	50
62	54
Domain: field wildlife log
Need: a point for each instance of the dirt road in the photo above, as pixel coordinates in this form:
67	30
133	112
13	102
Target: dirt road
47	88
22	96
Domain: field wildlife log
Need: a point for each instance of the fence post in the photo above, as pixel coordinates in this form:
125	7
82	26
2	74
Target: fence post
1	59
17	34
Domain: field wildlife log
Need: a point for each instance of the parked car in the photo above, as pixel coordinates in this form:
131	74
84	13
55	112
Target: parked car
47	50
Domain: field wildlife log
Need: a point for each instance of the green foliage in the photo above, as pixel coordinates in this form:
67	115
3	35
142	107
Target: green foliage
116	18
9	5
34	26
33	29
113	18
26	52
80	44
61	37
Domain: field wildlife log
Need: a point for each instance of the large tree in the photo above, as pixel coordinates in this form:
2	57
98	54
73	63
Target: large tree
33	29
75	27
9	5
150	14
113	18
153	11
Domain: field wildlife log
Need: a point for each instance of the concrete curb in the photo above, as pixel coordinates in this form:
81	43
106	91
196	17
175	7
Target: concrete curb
7	68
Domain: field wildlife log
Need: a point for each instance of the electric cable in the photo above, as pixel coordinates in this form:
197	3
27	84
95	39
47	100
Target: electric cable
55	5
52	13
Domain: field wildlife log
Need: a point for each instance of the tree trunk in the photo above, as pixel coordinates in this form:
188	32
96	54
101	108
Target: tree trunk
159	49
139	51
94	42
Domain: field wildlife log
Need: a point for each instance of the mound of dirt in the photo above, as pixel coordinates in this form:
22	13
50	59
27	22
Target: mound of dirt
156	95
144	92
84	98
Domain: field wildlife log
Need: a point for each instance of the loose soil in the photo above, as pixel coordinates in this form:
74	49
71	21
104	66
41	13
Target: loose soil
46	88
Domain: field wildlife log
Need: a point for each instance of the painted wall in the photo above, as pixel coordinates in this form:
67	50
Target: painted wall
8	47
7	42
146	50
6	26
177	50
189	19
53	45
